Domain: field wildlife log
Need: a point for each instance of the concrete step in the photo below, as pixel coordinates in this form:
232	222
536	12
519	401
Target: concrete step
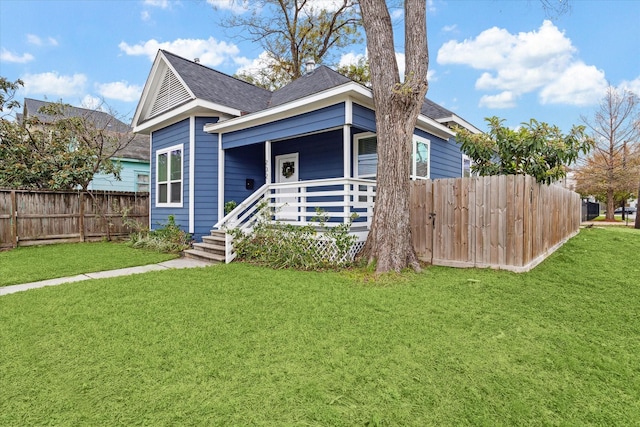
213	240
204	256
210	248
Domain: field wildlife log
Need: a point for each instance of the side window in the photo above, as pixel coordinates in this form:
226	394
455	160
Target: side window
169	176
421	155
366	163
466	166
142	181
367	156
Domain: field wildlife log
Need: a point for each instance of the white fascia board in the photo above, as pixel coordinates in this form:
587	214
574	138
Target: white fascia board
147	87
433	127
460	121
197	107
300	106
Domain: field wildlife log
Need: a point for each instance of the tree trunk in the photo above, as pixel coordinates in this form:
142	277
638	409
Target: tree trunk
397	107
611	206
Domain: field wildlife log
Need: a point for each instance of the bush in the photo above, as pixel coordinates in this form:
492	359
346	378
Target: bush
169	238
309	247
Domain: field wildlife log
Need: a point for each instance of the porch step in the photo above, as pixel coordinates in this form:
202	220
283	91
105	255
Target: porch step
204	256
212	248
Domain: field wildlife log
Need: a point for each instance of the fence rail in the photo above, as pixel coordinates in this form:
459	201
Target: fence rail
507	222
33	217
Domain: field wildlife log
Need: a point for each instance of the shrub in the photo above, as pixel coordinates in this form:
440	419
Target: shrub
309	247
168	238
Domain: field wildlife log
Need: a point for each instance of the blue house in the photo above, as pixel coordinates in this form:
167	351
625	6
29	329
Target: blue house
216	139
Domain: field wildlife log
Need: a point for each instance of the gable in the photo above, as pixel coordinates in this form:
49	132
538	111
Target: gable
170	94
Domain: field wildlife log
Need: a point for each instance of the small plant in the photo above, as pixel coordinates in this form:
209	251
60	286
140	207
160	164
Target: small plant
229	206
169	238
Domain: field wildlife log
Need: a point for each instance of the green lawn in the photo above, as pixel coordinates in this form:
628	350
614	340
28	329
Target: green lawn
238	345
34	263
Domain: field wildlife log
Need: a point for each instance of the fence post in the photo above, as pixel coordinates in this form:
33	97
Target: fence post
81	217
14	219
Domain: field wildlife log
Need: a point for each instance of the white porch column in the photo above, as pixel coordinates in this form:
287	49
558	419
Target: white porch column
267	162
220	178
346	154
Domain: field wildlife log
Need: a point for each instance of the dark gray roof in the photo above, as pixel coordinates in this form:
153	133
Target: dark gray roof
220	88
433	110
211	85
322	78
137	149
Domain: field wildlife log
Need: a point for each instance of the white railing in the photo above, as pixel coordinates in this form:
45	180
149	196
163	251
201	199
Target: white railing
339	200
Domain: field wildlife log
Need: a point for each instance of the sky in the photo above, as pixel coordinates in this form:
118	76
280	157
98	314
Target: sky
505	58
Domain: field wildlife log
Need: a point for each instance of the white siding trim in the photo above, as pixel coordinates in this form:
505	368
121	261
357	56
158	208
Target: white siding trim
192	173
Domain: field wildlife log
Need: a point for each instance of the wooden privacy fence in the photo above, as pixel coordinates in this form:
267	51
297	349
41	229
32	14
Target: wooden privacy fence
507	222
43	217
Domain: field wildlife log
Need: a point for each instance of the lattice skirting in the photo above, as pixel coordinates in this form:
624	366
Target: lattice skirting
325	249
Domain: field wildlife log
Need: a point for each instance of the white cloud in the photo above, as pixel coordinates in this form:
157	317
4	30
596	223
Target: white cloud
38	41
162	4
211	52
92	103
53	84
237	7
121	91
450	28
542	60
579	84
350	58
505	99
254	67
7	56
633	85
145	15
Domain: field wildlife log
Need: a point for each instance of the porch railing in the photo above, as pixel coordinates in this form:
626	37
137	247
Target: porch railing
339	200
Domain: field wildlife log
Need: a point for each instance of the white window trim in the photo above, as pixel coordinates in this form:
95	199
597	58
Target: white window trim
157	186
465	157
416	139
356	138
414	152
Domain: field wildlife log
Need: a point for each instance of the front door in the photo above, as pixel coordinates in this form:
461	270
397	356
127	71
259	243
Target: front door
287	171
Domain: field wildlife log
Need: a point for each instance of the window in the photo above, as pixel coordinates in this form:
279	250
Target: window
367	156
142	181
366	161
466	166
169	177
420	156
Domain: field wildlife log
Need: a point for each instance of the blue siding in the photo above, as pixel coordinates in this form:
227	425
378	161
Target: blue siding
239	164
364	118
206	178
320	155
446	158
177	133
128	177
324	118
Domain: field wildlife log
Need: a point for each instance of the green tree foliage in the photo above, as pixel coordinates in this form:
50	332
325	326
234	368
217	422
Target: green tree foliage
358	72
535	149
58	148
294	31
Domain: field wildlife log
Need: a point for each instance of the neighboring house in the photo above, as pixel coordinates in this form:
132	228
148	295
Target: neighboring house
133	159
216	139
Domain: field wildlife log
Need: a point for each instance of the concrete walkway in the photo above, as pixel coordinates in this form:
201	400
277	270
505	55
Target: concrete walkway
174	263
